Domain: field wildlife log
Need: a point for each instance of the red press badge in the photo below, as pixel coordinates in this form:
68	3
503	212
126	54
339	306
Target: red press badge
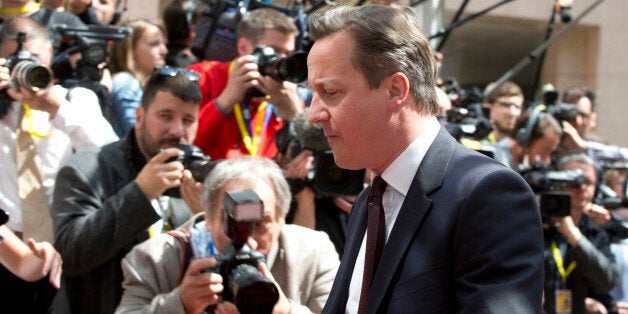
563	301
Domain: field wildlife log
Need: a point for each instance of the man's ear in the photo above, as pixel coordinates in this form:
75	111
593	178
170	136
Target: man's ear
245	46
139	115
398	89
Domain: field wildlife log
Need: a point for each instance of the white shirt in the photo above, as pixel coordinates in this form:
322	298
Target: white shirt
399	176
78	123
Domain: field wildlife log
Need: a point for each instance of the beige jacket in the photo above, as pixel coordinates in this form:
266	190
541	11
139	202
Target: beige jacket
304	263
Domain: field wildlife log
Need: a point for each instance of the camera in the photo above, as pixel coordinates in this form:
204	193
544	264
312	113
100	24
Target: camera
91	41
555	203
245	285
560	111
292	68
325	177
540	178
4	217
193	160
468	112
26	70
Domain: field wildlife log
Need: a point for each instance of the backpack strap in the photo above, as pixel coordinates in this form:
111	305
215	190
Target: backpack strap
184	239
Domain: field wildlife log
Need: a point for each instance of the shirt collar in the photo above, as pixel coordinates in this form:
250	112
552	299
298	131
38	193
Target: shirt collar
401	172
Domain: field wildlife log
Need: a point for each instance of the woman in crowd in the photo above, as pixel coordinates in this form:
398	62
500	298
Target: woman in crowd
132	61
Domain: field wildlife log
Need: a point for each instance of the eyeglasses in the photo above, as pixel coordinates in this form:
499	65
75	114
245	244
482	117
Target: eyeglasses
172	71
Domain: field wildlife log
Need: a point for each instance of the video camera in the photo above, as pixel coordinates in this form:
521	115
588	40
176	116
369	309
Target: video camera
560	111
196	161
325	177
245	285
91	41
543	180
468	112
292	68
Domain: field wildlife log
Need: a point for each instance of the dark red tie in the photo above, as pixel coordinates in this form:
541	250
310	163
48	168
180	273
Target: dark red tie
375	238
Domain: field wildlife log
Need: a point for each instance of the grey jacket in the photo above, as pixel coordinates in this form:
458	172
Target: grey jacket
99	215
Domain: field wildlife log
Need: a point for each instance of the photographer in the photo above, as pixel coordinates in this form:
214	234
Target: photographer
505	104
578	260
111	198
161	276
536	135
233	122
40	127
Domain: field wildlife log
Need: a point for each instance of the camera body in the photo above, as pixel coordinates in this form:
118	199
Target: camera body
91	41
26	70
194	160
292	68
245	285
468	112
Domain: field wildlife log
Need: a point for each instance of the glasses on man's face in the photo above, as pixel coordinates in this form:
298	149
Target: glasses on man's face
172	71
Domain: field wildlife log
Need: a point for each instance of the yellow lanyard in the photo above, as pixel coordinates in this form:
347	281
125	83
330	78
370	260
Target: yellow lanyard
559	263
491	138
252	145
27	123
27	8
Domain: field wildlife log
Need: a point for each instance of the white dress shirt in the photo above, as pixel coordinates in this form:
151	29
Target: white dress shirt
399	176
78	123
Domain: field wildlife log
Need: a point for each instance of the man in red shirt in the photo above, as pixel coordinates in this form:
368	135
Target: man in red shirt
230	122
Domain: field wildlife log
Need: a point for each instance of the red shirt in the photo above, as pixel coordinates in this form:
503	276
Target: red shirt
218	135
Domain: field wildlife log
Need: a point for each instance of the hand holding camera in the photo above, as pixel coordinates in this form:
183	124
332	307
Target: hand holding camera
243	76
158	175
199	289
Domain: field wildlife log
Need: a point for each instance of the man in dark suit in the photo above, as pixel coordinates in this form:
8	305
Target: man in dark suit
462	232
109	199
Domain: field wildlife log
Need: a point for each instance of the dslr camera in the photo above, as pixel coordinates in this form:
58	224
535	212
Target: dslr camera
245	286
468	112
194	160
292	68
26	70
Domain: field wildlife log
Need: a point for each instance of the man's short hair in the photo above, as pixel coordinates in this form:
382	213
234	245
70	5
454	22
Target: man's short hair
254	24
507	89
13	26
573	94
245	169
178	85
579	157
387	40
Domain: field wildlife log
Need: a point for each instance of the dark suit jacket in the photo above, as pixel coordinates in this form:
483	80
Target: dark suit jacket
468	238
99	214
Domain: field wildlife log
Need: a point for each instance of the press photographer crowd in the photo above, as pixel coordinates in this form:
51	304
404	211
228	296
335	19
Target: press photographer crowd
257	157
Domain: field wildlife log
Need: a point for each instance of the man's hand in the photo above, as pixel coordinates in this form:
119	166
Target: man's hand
299	166
283	304
568	229
5	74
283	95
598	214
572	140
157	176
594	306
243	75
47	99
52	260
191	192
200	289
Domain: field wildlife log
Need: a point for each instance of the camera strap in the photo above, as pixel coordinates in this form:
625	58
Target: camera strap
252	134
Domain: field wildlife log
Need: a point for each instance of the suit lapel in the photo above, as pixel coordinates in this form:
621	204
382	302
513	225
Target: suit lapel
413	212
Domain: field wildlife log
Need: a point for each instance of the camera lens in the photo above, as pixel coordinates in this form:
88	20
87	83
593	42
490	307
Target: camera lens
251	290
30	75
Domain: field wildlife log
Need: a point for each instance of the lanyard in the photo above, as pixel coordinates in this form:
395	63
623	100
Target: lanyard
559	263
27	8
242	114
27	123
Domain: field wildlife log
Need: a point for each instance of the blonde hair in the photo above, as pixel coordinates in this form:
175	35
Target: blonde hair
122	57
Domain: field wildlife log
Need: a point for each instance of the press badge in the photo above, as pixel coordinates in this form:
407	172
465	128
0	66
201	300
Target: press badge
563	301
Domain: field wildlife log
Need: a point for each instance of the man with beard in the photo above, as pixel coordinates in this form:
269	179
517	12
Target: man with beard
109	199
504	104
